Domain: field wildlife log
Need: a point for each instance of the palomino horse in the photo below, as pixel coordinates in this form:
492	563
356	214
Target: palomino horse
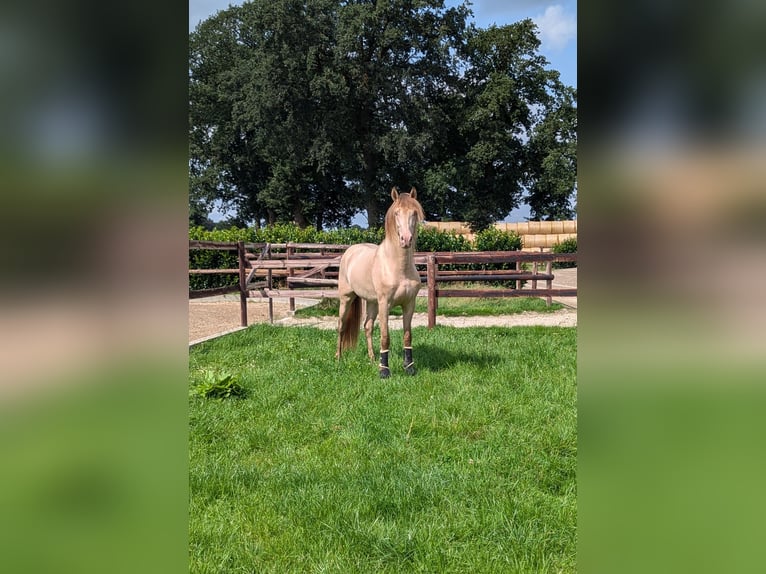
384	276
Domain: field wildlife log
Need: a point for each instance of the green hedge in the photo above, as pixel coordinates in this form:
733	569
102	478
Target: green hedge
429	239
432	239
288	232
278	233
215	259
566	246
493	239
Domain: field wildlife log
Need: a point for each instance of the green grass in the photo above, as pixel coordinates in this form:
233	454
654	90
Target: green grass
449	307
469	466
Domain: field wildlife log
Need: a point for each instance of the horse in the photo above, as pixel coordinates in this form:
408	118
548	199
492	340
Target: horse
384	276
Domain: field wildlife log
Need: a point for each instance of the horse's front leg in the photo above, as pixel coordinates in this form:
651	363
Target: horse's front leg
408	309
369	324
385	372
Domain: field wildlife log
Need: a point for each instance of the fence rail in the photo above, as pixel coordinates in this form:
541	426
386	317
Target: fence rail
318	272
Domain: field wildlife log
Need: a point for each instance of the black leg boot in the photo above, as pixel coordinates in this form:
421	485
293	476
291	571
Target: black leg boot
385	372
409	364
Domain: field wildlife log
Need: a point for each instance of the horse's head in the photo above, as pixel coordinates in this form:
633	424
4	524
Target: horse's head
403	217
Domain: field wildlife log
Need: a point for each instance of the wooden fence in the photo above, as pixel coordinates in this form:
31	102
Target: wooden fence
310	270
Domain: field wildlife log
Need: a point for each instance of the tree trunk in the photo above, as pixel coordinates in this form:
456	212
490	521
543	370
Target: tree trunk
371	199
299	218
372	212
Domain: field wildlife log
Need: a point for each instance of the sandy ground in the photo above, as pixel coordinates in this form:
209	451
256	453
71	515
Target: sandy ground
561	318
215	316
218	315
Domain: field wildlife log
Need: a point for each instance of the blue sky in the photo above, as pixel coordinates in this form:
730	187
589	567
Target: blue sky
556	22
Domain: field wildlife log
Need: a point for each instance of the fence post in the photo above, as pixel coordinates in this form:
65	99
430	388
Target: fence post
431	282
290	273
270	286
242	283
549	282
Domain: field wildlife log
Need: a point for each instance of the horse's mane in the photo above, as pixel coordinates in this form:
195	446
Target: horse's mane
404	201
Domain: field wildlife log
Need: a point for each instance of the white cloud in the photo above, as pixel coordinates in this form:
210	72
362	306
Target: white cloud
556	28
200	10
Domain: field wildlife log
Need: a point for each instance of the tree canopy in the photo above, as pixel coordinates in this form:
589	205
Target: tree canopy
310	110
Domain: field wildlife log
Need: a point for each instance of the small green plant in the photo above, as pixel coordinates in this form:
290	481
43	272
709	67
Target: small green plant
218	386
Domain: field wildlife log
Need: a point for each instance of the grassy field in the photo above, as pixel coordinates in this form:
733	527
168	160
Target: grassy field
450	307
321	467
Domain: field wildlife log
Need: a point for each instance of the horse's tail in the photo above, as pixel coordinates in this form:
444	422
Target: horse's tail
349	331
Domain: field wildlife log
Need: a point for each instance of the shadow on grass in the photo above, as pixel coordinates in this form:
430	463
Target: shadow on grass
437	358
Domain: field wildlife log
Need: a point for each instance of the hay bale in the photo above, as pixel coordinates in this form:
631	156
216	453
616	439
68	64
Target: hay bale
545	239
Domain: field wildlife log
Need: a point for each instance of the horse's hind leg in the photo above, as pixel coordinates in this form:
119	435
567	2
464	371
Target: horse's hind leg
343	310
369	324
408	309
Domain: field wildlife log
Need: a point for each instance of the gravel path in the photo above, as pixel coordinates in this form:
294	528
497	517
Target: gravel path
560	318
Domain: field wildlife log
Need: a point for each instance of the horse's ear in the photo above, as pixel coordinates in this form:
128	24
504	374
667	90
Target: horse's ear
414	193
394	194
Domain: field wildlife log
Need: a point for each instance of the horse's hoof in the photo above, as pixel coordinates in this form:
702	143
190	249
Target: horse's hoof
410	370
385	373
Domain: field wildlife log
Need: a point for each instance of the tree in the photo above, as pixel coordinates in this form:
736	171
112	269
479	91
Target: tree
508	91
395	58
290	84
261	130
224	163
552	177
307	110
